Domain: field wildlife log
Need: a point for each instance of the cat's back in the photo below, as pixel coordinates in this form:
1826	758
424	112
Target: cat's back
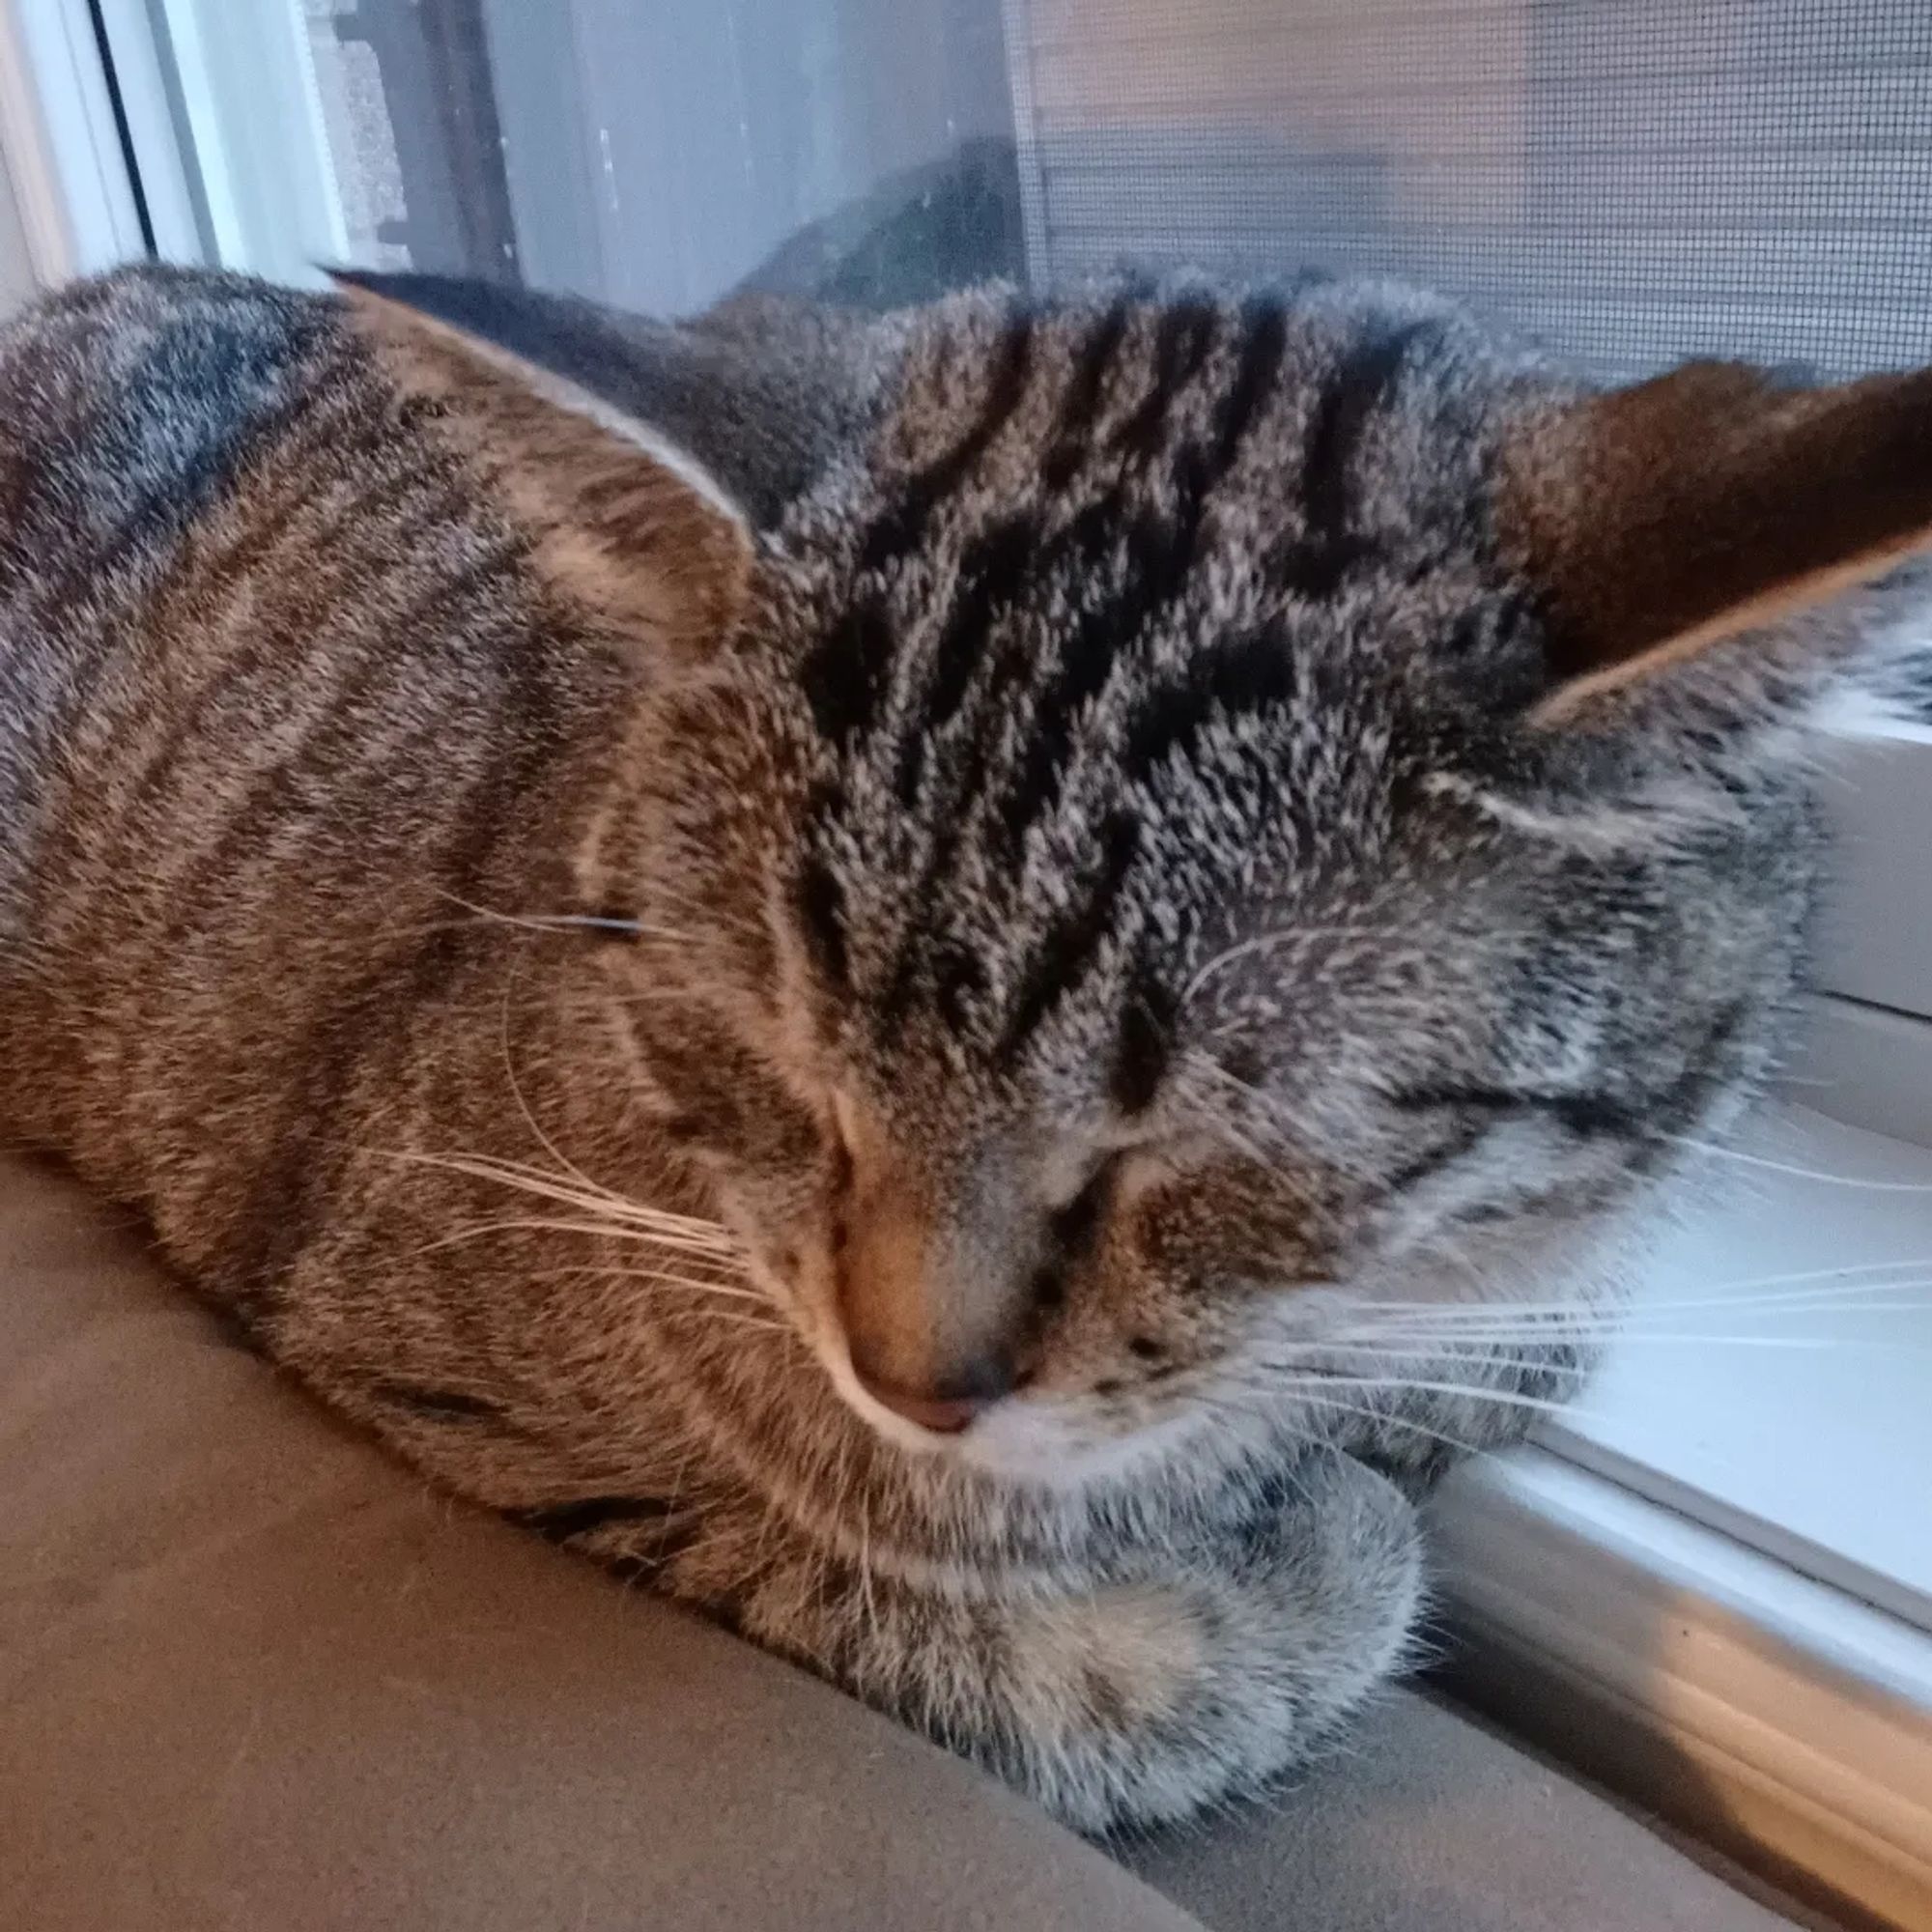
267	665
211	504
130	406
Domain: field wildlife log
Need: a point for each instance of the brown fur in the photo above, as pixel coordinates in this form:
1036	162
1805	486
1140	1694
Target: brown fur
1072	916
1711	500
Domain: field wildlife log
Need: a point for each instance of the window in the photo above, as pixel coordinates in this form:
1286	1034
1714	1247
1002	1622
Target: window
1730	1536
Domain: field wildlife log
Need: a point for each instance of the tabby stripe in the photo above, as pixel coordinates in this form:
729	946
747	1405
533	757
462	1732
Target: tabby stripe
1089	652
821	911
295	1187
335	727
1585	1115
273	1226
1160	559
845	674
257	542
1143	1046
1465	1138
1256	375
87	577
559	1522
436	1404
990	574
1182	345
899	529
182	484
1078	550
1068	945
1085	389
1005	552
1355	395
1244	675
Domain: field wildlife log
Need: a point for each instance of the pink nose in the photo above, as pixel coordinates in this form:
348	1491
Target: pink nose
942	1414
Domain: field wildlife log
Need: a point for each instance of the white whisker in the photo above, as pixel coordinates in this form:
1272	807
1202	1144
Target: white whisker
590	1197
1471	1349
1362	1413
1268	941
1742	1293
1792	1167
559	922
597	1230
1474	1392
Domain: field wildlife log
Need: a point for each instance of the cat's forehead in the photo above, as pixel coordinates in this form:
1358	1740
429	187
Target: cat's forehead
1109	637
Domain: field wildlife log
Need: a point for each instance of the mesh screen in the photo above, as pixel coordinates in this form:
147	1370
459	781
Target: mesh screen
1632	179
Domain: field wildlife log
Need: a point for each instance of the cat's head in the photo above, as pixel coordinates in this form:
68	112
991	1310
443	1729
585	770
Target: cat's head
1211	830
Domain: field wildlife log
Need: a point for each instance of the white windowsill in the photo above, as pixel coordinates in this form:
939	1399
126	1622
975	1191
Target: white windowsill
1796	1426
1771	1717
1711	1582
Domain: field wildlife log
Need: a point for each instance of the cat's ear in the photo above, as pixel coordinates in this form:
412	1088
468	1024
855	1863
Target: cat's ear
1710	542
631	527
761	390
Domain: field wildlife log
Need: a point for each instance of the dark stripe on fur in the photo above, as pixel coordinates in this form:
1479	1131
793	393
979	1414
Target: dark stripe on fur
1231	680
1160	559
559	1522
1143	1047
1360	390
1185	338
821	911
436	1404
296	1187
899	530
1064	953
1086	657
1085	389
1256	374
991	575
846	673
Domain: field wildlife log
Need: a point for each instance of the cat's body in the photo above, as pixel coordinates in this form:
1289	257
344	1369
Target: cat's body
1110	764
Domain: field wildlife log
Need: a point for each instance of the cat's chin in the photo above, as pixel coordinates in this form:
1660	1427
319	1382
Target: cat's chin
1037	1444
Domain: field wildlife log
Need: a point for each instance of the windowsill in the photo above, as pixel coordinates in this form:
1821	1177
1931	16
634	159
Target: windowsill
1709	1583
1771	1717
1799	1425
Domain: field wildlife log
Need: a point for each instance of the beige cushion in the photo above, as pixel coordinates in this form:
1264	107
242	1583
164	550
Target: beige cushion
1432	1824
254	1676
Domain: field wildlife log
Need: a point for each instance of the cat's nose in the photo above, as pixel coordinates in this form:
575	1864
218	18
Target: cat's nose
928	1318
945	1407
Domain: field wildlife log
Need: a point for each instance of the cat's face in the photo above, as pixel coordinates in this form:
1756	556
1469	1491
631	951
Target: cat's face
1211	826
1375	1051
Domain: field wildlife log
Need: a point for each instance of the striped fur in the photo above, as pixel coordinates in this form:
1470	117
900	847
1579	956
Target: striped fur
1079	884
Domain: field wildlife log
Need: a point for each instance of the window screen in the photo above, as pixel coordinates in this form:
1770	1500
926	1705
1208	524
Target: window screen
1631	180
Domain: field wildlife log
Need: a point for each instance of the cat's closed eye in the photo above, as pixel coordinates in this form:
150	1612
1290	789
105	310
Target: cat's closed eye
1582	1113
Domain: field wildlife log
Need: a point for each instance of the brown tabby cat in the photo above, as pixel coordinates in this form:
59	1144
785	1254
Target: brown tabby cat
887	1000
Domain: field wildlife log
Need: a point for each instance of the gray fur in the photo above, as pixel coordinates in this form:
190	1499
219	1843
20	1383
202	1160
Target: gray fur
1110	860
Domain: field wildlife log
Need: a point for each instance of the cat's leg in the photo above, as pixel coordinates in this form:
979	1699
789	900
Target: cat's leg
1182	1677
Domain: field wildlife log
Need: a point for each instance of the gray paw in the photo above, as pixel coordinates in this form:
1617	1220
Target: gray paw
1199	1676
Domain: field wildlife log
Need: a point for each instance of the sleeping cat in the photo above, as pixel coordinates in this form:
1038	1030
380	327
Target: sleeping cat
907	996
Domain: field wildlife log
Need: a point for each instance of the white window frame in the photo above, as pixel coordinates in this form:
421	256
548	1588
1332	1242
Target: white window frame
59	147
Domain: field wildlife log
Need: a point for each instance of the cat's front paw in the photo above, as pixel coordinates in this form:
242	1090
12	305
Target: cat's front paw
1189	1683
